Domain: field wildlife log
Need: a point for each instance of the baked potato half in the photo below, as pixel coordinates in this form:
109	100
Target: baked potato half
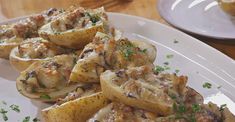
107	53
12	35
118	112
33	49
47	80
7	40
75	28
78	110
140	87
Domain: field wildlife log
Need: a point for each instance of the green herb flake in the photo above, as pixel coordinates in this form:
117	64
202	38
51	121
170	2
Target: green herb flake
169	56
3	112
179	108
167	67
221	108
45	96
57	33
192	118
207	85
128	53
26	119
36	120
93	18
196	108
15	108
219	86
4	102
175	41
177	71
144	50
172	96
158	69
166	63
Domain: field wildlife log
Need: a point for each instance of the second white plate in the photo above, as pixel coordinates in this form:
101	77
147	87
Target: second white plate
202	17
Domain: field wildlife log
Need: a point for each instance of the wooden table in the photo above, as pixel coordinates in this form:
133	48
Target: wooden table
145	8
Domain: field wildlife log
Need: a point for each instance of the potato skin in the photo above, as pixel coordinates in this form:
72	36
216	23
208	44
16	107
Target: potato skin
5	49
22	87
116	94
20	64
75	39
78	110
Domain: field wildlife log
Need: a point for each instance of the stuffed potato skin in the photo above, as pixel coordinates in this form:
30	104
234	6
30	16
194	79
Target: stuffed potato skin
78	110
7	40
106	53
139	87
18	63
5	49
32	50
71	34
12	35
47	80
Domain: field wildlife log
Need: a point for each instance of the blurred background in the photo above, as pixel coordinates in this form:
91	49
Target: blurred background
144	8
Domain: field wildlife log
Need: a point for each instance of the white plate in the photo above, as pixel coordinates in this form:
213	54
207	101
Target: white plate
200	62
202	17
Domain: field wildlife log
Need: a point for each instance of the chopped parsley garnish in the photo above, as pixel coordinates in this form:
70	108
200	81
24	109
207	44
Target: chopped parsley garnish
172	96
177	71
192	118
158	69
219	86
26	119
167	67
45	96
57	33
175	41
127	53
15	108
3	112
166	63
169	56
196	108
4	103
93	18
221	108
36	120
207	85
144	50
179	108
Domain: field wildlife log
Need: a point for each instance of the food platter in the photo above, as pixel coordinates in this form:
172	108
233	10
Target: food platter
184	54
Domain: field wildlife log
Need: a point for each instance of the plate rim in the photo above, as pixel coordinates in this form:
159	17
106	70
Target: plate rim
178	31
161	13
